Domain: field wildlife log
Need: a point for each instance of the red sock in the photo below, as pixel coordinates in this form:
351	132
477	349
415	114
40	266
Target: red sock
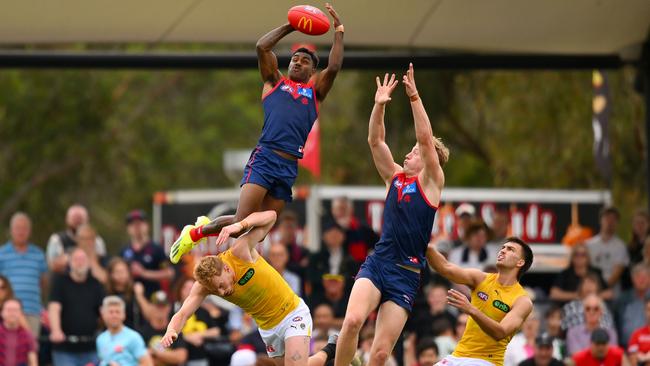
197	233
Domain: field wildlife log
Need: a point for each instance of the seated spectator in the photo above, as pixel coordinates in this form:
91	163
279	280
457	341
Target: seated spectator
577	337
573	312
646	251
600	352
465	215
61	243
73	310
474	253
23	264
522	344
158	315
499	228
7	293
323	316
366	337
120	283
86	239
543	355
147	260
278	258
119	344
553	322
565	287
638	346
630	305
17	345
287	233
198	328
334	294
360	238
422	323
607	251
424	354
445	336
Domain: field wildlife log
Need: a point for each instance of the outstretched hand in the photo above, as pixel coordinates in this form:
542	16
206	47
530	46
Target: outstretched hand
382	96
334	14
409	82
458	300
227	231
168	339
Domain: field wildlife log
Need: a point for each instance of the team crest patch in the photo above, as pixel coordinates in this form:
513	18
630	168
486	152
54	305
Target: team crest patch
482	295
246	277
501	306
270	349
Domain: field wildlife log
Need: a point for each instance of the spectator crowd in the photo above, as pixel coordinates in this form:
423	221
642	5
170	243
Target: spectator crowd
74	304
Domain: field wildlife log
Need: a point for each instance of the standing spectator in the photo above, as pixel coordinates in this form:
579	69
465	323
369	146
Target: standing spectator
74	312
119	344
543	353
61	243
24	265
607	251
86	239
474	253
577	337
17	345
279	258
601	352
120	283
500	227
565	287
331	259
360	238
630	305
640	230
639	345
147	260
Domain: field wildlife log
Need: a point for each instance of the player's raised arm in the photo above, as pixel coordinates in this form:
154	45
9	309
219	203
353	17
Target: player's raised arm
381	154
497	330
432	165
463	276
258	224
191	303
267	61
325	78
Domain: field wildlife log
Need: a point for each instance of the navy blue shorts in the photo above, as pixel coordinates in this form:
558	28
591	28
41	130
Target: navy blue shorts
395	283
271	171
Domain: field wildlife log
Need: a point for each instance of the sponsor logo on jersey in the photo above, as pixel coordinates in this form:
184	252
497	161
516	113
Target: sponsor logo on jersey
306	92
246	277
482	295
287	88
414	260
297	319
411	188
501	305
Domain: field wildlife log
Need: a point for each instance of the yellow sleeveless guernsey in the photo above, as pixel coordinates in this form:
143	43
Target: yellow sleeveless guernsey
495	301
260	290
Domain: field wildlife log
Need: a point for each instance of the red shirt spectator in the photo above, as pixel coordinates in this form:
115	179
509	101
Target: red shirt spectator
600	353
17	345
639	345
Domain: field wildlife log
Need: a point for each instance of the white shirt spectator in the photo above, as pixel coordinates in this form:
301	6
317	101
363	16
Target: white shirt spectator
466	258
605	255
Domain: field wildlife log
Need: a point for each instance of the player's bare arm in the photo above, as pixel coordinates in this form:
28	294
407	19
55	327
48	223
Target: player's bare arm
497	330
325	79
433	177
470	277
268	62
191	303
258	224
381	153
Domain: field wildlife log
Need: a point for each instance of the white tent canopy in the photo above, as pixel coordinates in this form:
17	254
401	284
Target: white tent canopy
594	27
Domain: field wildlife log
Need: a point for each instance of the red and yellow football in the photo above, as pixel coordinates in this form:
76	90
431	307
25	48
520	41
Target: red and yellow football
308	19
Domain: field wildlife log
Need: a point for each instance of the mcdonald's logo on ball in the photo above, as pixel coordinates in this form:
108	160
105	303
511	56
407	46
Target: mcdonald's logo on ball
308	19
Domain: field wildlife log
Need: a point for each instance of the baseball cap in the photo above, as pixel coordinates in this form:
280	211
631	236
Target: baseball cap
544	339
465	209
136	215
159	298
600	336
